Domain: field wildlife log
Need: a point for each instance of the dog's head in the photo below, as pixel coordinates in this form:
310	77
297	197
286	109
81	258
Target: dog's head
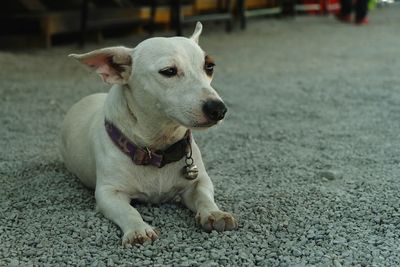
172	75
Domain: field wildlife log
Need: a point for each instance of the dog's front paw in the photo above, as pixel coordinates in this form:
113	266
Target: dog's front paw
216	220
139	235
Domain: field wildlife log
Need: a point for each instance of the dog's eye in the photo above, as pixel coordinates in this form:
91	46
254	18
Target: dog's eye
169	71
209	68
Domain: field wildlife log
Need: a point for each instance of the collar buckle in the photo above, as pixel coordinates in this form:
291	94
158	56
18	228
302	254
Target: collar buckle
141	156
148	152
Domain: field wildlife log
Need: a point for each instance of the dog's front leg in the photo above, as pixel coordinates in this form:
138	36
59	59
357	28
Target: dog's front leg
200	199
115	205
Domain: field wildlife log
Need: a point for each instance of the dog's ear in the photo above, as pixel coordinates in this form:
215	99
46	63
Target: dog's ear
197	32
113	64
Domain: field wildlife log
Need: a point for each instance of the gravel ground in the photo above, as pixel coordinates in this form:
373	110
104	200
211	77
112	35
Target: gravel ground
307	159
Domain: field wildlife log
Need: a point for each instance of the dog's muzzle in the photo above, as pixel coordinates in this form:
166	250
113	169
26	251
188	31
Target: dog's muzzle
214	110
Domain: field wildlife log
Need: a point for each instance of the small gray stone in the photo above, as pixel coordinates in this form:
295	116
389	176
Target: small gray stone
259	258
336	263
14	262
297	252
148	253
146	262
80	253
330	174
114	258
110	262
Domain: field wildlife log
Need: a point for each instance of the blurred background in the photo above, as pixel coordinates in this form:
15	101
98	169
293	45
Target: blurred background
45	23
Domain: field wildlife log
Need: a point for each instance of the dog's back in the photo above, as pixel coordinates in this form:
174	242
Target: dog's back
76	143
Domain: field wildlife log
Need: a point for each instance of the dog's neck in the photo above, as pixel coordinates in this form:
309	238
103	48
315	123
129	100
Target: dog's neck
143	126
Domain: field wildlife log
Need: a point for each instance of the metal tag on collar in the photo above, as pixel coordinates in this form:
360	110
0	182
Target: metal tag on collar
190	171
148	152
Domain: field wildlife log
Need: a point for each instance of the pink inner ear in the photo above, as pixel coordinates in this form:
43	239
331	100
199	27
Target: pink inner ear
102	66
106	72
95	61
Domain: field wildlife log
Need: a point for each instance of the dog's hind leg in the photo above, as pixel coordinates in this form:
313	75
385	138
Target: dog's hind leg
115	205
200	199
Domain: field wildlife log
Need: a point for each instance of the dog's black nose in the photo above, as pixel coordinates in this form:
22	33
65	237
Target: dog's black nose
214	110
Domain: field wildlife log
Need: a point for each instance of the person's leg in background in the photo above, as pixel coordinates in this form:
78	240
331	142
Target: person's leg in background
361	8
346	7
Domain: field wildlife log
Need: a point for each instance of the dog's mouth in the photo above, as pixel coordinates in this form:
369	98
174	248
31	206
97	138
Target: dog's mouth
205	125
198	125
194	123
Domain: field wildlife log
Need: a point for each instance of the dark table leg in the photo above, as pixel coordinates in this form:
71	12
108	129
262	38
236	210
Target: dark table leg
288	7
84	18
176	19
242	16
229	22
153	9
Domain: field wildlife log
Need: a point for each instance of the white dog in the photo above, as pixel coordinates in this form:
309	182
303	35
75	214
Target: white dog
135	142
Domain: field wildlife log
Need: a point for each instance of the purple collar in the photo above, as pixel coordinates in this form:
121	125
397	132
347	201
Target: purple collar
144	156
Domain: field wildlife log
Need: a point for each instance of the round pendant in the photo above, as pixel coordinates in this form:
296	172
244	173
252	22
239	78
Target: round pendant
190	172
